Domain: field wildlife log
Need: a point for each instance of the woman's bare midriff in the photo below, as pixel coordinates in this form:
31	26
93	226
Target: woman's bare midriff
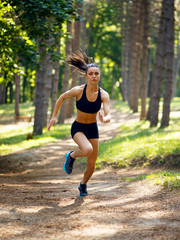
83	117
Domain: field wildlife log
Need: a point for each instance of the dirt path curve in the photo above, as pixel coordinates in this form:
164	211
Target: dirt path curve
39	201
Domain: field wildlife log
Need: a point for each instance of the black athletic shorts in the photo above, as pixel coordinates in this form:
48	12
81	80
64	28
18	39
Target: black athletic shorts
90	130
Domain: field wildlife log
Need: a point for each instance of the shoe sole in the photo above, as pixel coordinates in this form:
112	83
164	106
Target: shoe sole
83	195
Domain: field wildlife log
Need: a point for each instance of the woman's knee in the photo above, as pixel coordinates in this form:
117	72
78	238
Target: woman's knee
88	150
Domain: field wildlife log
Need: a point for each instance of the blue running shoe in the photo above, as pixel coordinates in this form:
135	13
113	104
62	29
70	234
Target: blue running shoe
83	190
68	164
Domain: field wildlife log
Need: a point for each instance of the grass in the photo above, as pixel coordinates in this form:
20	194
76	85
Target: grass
13	137
7	111
138	145
135	144
14	140
123	106
167	179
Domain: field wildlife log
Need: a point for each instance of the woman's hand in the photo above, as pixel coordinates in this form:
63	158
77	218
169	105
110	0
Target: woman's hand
101	117
104	119
51	123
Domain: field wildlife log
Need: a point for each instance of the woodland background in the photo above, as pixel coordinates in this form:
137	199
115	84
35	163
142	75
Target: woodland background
135	43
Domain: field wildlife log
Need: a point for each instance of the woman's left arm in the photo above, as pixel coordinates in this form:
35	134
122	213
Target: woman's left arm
106	107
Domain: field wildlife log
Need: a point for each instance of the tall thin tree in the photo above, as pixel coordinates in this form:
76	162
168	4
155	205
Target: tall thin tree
65	83
145	13
169	62
158	71
134	66
75	46
55	80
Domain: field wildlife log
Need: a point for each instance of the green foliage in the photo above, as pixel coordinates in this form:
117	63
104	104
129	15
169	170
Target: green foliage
27	25
105	38
15	45
43	18
138	145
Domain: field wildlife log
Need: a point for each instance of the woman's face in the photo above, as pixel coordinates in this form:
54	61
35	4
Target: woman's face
93	75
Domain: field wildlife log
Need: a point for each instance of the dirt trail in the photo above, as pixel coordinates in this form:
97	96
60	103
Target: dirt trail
39	201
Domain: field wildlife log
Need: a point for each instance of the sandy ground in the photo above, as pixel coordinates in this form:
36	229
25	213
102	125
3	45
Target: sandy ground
39	201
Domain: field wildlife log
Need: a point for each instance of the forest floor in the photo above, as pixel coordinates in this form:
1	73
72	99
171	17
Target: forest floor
39	201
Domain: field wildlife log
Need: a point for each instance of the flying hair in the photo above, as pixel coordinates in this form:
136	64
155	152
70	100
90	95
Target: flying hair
80	61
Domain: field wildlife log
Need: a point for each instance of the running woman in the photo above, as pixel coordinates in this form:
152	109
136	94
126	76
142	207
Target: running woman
84	130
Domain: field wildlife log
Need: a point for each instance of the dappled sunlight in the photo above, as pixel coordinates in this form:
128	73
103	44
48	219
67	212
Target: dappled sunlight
39	200
30	209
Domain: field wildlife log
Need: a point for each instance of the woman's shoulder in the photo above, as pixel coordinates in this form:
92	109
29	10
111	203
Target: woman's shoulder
78	90
104	94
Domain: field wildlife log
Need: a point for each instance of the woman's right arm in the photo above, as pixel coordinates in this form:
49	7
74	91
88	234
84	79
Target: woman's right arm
66	95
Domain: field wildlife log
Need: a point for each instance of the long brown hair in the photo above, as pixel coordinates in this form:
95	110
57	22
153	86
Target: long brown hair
80	61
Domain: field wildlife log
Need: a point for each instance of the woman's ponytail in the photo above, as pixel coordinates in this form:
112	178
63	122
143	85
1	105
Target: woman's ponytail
80	61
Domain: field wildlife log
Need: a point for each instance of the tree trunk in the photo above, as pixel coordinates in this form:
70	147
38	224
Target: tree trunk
126	57
133	75
48	86
62	115
169	62
39	94
144	79
149	70
1	93
17	94
11	91
123	85
75	46
159	69
176	66
139	55
83	43
55	81
24	87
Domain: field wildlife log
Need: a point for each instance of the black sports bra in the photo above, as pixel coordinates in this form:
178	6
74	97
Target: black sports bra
86	106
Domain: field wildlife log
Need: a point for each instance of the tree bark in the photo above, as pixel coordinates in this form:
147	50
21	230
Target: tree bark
83	43
169	62
127	50
11	91
62	115
123	70
39	94
1	93
139	55
55	82
24	86
158	74
144	79
75	46
17	94
48	86
176	66
134	68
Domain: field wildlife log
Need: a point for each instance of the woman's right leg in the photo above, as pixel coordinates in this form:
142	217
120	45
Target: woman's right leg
84	146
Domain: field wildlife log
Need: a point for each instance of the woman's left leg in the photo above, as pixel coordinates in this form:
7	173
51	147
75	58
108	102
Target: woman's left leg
91	160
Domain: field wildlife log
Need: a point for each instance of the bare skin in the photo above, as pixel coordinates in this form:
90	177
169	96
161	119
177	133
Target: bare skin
86	147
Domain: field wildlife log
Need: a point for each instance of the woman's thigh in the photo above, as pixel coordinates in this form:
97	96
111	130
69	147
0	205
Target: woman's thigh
81	140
